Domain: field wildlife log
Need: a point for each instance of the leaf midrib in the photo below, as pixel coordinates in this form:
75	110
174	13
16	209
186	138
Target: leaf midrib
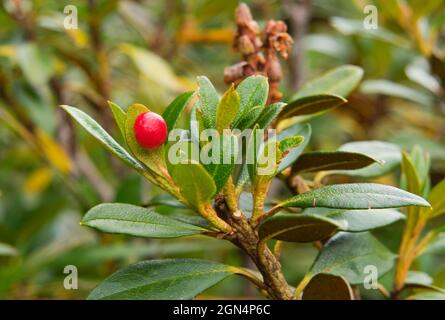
194	228
178	277
306	105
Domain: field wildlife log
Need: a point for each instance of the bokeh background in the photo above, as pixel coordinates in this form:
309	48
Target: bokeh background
146	51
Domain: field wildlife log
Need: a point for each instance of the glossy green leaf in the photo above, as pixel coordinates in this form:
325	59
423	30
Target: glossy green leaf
253	149
303	130
347	255
437	199
337	160
175	108
119	116
297	228
170	279
208	101
357	220
355	196
339	81
387	154
227	110
100	134
136	221
328	287
253	92
223	152
316	104
269	114
195	183
320	223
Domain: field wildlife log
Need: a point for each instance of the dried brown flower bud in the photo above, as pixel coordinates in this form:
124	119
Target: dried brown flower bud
259	51
274	73
242	14
245	45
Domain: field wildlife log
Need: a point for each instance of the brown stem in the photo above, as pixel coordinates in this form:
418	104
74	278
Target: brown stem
246	238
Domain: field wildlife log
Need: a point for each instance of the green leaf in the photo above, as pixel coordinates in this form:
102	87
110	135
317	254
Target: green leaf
289	143
223	151
410	175
227	109
195	182
320	161
170	279
208	101
100	134
297	228
418	278
7	250
355	196
36	64
328	287
437	199
355	27
253	149
418	71
408	140
387	154
119	116
250	118
295	130
320	223
316	104
136	221
175	108
347	255
253	92
396	90
269	114
153	158
357	220
422	164
339	81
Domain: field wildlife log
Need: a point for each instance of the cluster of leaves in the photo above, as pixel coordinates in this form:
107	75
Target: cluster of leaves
121	48
339	215
58	171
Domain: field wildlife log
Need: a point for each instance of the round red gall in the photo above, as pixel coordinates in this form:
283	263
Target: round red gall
150	130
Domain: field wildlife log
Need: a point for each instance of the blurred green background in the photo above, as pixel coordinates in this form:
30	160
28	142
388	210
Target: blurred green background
148	52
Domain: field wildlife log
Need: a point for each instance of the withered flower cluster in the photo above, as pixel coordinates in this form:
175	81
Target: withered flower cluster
259	50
